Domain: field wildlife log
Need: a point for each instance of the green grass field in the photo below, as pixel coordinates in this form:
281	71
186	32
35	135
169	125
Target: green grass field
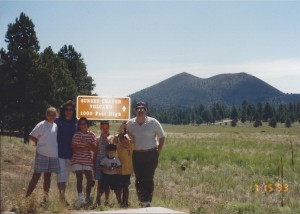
227	170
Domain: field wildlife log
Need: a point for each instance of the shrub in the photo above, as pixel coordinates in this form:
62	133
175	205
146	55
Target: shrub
234	123
273	122
257	123
288	123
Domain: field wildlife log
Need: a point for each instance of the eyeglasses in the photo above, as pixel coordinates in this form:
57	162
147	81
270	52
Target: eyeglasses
140	109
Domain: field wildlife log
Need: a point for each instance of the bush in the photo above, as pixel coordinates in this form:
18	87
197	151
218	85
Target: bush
288	123
234	123
273	122
257	123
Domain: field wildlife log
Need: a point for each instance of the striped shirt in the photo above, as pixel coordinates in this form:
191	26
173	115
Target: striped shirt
101	152
83	157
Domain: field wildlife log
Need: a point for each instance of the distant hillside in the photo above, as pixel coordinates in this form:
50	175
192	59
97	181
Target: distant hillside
187	90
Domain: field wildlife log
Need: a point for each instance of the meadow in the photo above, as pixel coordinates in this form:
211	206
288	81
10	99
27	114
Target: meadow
202	169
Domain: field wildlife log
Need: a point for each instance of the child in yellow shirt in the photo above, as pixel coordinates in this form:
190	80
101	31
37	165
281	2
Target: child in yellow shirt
125	149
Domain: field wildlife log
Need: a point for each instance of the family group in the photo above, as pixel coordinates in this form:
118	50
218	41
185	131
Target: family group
66	145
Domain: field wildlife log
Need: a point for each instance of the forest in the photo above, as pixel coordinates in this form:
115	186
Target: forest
200	114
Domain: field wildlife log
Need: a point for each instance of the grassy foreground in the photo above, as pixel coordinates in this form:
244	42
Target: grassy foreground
202	169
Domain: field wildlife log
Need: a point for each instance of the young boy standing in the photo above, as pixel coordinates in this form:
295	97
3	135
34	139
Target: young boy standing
46	159
102	141
110	165
124	150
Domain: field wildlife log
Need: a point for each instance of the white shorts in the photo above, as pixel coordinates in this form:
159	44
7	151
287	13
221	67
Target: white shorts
65	169
79	167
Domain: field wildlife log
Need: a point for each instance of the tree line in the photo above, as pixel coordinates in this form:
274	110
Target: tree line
31	81
200	114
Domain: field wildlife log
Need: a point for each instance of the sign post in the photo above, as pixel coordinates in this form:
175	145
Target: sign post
103	108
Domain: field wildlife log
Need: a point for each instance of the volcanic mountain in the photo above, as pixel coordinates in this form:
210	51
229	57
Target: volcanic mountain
230	89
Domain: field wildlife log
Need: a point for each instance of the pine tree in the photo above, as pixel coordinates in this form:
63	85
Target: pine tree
288	123
273	122
234	114
58	84
268	112
22	55
84	82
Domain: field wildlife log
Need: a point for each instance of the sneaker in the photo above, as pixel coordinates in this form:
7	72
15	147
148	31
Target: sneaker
88	200
64	202
79	202
145	204
98	201
124	205
88	203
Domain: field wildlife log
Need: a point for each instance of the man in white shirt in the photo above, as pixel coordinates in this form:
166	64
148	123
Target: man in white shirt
149	138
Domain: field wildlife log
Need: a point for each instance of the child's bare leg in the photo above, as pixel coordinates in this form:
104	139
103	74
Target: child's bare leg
33	182
107	191
98	197
89	183
79	178
62	189
118	195
46	186
125	195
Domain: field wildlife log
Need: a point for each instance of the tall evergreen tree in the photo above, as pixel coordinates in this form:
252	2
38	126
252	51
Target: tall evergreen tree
84	82
259	111
23	47
234	114
268	112
57	80
5	84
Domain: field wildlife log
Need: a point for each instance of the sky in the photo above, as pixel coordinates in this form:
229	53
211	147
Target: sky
130	45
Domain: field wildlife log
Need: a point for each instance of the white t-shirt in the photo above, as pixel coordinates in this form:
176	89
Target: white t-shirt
145	135
46	133
110	163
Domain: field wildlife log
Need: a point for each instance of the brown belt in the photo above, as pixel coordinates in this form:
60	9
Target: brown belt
145	150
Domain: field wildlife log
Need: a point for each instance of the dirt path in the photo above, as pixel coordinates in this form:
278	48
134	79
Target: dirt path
141	210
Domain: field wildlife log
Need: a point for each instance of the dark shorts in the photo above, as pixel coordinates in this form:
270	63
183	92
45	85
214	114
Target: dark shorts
124	180
109	181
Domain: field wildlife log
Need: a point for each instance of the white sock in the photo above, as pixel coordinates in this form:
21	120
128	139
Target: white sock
79	195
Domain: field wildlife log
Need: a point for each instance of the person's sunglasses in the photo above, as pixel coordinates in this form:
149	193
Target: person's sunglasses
140	109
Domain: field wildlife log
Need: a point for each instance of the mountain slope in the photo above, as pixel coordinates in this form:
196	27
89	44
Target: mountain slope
186	90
